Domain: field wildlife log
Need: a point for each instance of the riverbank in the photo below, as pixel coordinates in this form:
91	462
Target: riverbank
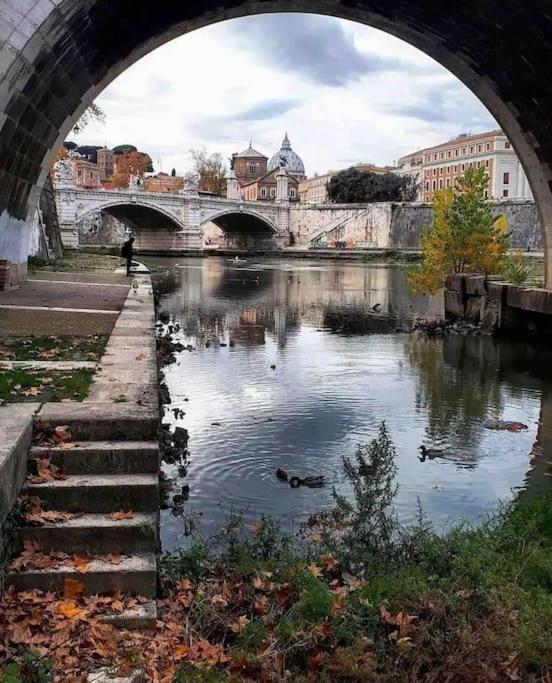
350	597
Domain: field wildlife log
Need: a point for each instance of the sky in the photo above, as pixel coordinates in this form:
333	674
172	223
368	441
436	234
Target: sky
344	92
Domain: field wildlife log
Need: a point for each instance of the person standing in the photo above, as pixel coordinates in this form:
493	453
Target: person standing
127	252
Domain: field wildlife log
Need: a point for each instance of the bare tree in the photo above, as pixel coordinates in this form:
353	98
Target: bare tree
211	170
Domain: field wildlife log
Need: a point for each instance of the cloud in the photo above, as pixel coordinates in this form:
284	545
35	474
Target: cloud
315	47
240	124
443	104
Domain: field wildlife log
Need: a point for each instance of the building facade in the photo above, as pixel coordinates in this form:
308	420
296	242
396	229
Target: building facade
85	174
249	165
163	182
106	163
264	189
437	168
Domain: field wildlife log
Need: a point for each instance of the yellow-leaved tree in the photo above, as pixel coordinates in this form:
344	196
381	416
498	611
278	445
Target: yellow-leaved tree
466	236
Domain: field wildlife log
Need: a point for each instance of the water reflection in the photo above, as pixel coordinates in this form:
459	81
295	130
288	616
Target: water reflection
292	368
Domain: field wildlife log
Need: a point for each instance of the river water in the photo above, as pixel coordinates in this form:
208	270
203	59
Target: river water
292	368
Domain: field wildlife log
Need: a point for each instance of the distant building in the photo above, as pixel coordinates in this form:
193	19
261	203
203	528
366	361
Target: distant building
85	173
106	163
249	165
264	188
162	182
315	190
256	175
438	167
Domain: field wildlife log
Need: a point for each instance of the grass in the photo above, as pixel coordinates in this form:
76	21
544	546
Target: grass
78	261
20	386
90	348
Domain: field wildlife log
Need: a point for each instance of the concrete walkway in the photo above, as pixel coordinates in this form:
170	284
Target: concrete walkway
75	304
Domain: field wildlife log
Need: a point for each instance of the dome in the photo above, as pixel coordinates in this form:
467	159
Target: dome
287	158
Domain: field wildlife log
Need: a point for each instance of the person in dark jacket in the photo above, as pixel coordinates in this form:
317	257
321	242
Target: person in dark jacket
127	253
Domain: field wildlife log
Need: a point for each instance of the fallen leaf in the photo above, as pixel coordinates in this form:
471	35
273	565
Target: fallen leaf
70	610
72	588
117	516
81	562
240	624
314	570
113	558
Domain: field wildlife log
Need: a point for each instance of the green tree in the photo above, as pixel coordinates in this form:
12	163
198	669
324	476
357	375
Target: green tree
211	170
124	149
356	186
466	236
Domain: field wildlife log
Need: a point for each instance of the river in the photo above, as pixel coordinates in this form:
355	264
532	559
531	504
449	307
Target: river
292	368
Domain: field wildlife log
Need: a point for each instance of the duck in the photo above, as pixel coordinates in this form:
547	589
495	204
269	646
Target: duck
430	453
273	367
311	482
281	474
376	308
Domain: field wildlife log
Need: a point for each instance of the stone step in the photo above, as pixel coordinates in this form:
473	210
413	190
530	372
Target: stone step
99	493
141	617
136	575
95	534
97	457
89	421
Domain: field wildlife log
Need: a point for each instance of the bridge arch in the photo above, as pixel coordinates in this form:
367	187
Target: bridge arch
136	214
59	56
243	229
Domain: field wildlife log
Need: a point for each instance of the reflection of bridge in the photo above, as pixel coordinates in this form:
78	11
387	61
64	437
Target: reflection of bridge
173	222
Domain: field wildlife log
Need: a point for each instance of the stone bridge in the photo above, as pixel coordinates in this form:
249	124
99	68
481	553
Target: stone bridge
174	222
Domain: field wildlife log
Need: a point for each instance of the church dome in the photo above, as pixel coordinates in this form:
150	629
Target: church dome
287	158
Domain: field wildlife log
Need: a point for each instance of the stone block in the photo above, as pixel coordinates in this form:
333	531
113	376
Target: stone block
473	309
454	305
456	283
16	423
476	285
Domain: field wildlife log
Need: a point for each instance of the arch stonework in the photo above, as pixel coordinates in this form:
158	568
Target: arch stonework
58	55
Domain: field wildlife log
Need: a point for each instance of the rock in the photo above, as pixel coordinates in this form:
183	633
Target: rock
180	436
282	474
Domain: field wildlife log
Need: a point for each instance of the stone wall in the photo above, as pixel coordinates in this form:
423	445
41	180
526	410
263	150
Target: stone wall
397	226
98	228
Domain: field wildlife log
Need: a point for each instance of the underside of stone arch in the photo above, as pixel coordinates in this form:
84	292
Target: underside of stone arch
58	55
242	230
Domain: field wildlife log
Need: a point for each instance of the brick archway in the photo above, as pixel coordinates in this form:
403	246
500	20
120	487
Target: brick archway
58	55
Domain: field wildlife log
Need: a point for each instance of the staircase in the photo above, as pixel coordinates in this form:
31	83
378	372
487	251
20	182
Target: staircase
102	477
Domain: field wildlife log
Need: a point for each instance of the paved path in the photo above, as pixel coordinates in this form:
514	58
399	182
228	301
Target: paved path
52	303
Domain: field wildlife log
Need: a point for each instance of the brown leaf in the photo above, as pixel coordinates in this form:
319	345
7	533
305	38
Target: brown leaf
72	588
113	558
240	624
117	516
62	433
70	610
260	607
81	563
314	660
314	570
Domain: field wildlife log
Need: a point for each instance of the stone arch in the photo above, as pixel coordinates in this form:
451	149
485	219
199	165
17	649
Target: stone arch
114	205
58	56
219	216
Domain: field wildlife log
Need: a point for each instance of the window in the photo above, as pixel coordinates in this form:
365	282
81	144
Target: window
272	192
504	193
488	146
448	169
440	183
433	185
252	168
263	191
471	149
434	171
435	157
448	182
292	192
455	168
486	194
448	153
463	150
506	178
427	185
486	163
442	155
507	145
479	148
463	166
456	152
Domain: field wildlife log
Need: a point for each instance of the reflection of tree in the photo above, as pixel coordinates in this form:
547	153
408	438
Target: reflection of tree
457	387
539	477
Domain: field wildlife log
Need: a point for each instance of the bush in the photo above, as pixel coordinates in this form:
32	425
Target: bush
516	269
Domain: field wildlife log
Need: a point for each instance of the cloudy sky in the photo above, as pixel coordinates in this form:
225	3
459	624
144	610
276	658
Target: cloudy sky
346	93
